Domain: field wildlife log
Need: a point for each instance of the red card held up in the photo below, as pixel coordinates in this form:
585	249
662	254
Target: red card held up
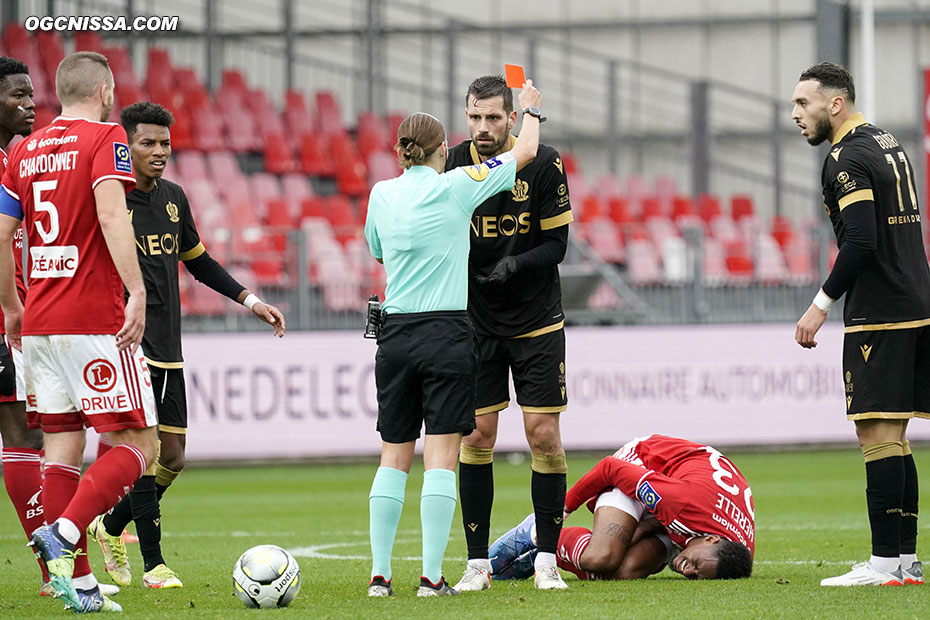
514	75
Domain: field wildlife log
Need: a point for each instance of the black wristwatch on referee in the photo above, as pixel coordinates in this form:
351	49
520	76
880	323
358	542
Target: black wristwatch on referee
534	111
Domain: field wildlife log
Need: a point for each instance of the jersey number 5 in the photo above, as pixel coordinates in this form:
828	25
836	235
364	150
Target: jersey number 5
48	236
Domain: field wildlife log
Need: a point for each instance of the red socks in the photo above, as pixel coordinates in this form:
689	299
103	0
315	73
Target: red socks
61	482
105	483
572	543
22	475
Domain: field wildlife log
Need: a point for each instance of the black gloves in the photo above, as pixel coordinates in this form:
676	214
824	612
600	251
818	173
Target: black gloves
505	268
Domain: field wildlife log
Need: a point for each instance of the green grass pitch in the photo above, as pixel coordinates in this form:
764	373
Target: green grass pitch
810	520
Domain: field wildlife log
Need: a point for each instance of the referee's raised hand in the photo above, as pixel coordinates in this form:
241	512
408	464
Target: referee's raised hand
529	96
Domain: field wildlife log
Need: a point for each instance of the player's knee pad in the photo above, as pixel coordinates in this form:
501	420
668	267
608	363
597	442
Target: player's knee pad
550	463
882	450
476	456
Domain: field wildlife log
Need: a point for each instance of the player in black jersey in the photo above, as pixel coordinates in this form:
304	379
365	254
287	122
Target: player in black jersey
165	234
515	302
871	198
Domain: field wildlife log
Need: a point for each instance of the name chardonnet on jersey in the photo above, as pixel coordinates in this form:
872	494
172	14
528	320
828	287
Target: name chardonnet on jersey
47	162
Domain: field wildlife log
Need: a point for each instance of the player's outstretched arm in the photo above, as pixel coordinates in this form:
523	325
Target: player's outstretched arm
9	300
209	272
118	233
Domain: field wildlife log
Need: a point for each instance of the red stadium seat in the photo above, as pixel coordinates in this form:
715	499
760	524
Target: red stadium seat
592	208
620	210
708	207
643	263
20	45
278	215
723	229
51	52
392	123
770	266
370	135
328	115
338	210
652	208
739	262
208	131
263	188
88	41
606	186
313	160
799	260
382	166
278	156
312	208
682	206
741	206
569	163
714	263
604	237
782	230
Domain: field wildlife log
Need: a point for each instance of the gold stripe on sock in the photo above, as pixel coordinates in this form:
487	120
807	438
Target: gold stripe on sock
882	450
907	447
476	456
164	476
550	463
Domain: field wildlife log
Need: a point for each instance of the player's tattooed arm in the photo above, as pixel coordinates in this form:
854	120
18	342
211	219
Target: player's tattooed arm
618	531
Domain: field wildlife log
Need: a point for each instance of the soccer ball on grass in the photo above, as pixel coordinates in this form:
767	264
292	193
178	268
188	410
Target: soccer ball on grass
266	576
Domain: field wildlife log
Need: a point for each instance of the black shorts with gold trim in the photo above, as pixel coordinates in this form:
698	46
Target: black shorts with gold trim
170	396
425	374
885	371
537	363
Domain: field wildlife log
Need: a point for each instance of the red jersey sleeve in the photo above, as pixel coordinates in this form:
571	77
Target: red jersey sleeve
660	494
111	158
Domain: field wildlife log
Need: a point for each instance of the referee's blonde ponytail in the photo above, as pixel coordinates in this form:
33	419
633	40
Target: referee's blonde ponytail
418	137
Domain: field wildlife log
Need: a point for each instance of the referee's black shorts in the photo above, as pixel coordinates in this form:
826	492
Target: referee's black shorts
425	372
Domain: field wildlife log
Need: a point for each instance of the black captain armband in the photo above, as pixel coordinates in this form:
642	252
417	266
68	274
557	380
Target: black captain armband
206	270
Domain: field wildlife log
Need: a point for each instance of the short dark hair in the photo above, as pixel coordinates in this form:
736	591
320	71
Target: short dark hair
488	86
734	561
144	112
11	66
832	76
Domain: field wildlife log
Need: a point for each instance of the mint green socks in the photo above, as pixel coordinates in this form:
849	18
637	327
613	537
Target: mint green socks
385	503
437	507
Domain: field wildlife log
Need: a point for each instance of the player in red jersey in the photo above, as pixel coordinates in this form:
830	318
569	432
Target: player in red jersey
21	445
67	183
700	519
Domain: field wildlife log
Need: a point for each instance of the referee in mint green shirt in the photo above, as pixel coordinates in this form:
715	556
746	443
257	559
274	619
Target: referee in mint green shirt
418	226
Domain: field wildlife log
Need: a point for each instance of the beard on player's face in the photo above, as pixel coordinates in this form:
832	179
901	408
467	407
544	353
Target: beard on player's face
822	129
